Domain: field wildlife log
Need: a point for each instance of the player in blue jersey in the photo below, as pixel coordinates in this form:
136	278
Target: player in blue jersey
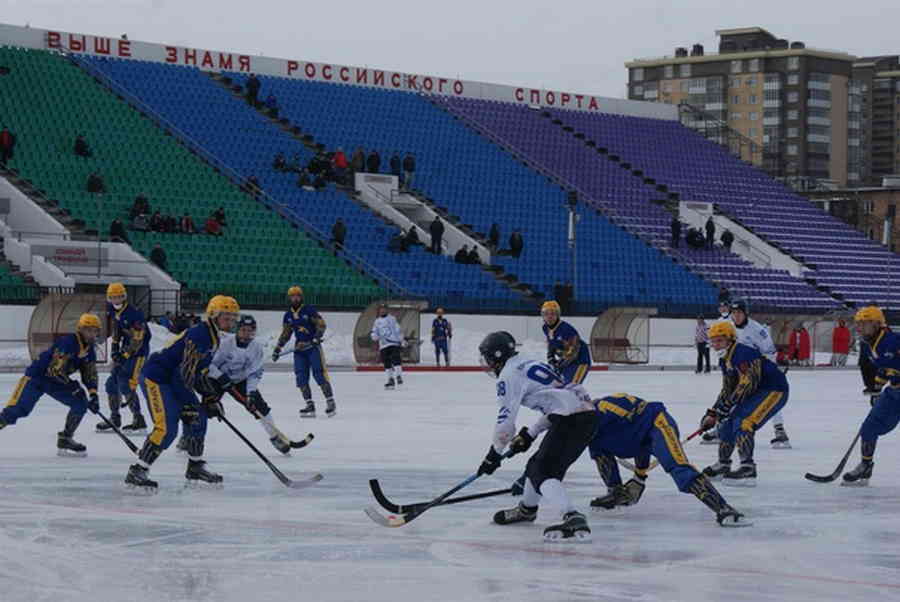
882	347
307	327
169	379
753	391
630	427
49	374
130	347
441	333
566	352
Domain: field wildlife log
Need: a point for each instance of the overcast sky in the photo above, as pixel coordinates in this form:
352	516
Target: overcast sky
573	46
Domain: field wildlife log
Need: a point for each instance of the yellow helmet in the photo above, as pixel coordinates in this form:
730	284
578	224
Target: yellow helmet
551	305
870	313
295	290
723	329
222	304
115	289
88	321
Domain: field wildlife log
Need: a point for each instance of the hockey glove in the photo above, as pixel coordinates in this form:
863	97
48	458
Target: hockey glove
276	353
709	419
518	486
521	442
490	463
93	403
213	408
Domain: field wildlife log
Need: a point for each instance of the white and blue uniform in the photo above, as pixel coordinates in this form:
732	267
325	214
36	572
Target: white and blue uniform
387	333
242	363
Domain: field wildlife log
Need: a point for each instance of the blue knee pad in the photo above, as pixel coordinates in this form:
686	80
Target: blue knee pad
301	368
23	400
884	415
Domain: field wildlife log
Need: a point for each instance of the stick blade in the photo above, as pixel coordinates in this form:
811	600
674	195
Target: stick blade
391	520
385	503
304	482
819	479
303	442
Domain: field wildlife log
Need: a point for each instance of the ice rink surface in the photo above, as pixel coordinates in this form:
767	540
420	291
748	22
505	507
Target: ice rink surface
70	532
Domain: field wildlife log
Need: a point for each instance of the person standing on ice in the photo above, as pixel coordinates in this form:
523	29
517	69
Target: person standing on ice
441	333
566	352
753	390
49	374
569	419
387	333
882	347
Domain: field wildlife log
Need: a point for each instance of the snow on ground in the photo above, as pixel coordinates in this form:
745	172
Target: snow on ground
71	533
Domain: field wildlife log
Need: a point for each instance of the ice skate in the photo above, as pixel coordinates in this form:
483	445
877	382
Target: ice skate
389	384
518	514
68	447
729	517
103	427
138	426
717	470
709	438
781	440
309	411
615	496
281	443
197	476
574	528
859	476
399	380
330	408
137	480
744	476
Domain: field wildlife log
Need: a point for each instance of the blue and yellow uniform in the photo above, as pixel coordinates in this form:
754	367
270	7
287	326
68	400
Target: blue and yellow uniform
441	333
306	326
569	354
130	347
630	427
49	374
883	350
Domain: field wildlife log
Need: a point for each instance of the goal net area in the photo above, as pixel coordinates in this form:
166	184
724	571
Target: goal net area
365	350
57	315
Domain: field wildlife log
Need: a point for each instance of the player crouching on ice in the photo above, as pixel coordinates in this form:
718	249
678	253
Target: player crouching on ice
240	359
753	390
882	346
168	381
49	374
568	418
630	427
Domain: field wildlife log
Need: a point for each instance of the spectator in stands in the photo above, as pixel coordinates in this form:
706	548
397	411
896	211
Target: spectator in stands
396	166
279	163
675	227
140	223
409	168
170	224
357	162
319	183
340	165
494	236
213	226
339	233
219	215
156	222
7	145
95	183
412	237
462	255
398	244
727	239
187	224
710	232
117	232
840	344
695	238
373	162
252	89
140	207
516	243
437	233
474	259
158	257
272	105
303	180
81	147
701	339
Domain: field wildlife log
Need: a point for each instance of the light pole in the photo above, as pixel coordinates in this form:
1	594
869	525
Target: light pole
572	206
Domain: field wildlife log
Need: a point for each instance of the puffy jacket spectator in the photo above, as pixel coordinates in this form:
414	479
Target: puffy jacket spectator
7	145
213	226
373	162
117	232
81	147
252	89
840	344
516	243
727	239
396	166
409	169
462	255
95	183
437	233
494	235
158	257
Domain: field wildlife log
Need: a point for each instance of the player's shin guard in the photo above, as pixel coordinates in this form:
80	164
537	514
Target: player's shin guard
134	403
868	449
706	492
195	446
327	391
149	453
306	392
726	448
115	402
72	421
745	444
606	466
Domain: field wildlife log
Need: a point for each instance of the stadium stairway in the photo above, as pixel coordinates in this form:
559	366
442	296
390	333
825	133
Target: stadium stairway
47	100
16	287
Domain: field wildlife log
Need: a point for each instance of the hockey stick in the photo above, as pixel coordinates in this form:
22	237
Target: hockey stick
299	484
398	520
244	401
134	448
398	509
837	471
629	466
297	348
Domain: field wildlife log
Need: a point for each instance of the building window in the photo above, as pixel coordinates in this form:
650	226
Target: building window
685	86
735	82
793	114
753	65
669	71
793	63
736	100
793	79
792	149
638	90
735	116
684	70
737	66
637	75
793	132
754	116
793	97
752	132
753	99
751	82
667	87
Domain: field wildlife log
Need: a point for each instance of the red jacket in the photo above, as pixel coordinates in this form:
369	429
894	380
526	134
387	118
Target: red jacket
213	226
804	345
339	160
7	140
840	340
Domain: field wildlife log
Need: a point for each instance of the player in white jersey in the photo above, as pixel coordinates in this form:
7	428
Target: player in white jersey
240	357
756	335
566	414
387	333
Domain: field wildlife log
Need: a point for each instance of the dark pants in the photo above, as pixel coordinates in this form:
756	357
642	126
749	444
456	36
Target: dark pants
702	353
676	240
561	446
390	356
710	239
436	244
5	155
